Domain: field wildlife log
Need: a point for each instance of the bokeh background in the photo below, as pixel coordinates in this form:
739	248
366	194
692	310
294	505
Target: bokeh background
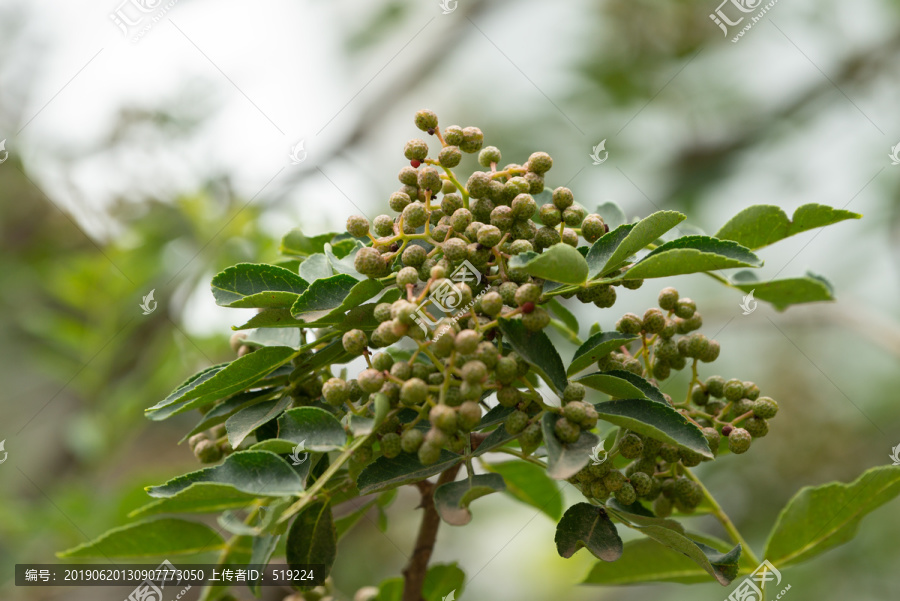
152	164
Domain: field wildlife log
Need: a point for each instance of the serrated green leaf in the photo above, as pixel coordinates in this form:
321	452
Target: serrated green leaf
537	350
150	538
597	346
622	384
760	225
315	267
558	263
258	473
530	484
254	285
656	420
452	499
565	460
312	538
644	232
199	497
612	214
564	315
221	381
601	250
224	410
347	263
820	518
588	526
244	422
791	291
692	254
442	580
316	428
328	299
383	473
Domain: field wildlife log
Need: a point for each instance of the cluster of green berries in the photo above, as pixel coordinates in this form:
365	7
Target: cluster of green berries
211	445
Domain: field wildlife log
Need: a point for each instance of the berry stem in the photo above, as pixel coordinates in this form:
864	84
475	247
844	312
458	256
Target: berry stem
723	518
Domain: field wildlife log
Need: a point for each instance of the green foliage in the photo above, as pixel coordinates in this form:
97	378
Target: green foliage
457	365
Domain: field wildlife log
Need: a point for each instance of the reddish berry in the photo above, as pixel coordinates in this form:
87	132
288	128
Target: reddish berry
726	429
528	307
415	163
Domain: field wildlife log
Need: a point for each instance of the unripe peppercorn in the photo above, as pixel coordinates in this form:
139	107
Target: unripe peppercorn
567	431
429	179
527	293
450	156
413	391
207	451
699	396
488	155
415	214
713	438
336	391
756	426
502	217
605	297
751	391
473	371
355	342
739	441
472	140
668	298
666	350
715	385
598	490
642	483
398	201
711	353
546	237
369	261
539	162
574	215
370	380
614	480
491	304
196	439
489	236
654	321
407	275
626	495
765	407
631	446
469	415
685	308
574	391
467	341
411	440
535	182
549	215
453	135
523	206
357	226
508	396
593	228
426	120
429	453
734	390
516	422
576	412
629	324
563	198
454	250
443	418
416	150
570	237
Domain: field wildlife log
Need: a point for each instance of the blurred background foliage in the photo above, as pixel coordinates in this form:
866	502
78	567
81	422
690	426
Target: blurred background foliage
97	210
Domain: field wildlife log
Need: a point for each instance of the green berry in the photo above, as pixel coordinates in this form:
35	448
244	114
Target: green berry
488	155
605	297
357	226
426	120
711	353
429	179
626	495
546	237
765	407
411	440
508	396
516	422
573	392
207	451
355	342
642	483
531	437
369	261
502	217
489	236
741	406
443	418
575	412
535	182
539	162
491	304
563	198
733	390
593	228
469	416
450	203
336	391
407	276
669	453
629	324
416	150
689	458
370	380
631	446
685	308
698	345
630	284
415	214
713	438
473	371
614	480
453	135
598	490
550	216
523	206
715	385
429	453
567	431
662	507
699	396
472	140
450	156
460	220
739	441
666	350
654	321
536	320
668	298
527	293
751	391
408	176
467	341
391	445
196	439
756	426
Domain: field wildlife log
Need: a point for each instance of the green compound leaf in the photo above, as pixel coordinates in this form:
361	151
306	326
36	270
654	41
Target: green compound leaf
558	263
317	430
761	225
453	498
530	484
820	518
564	460
791	291
312	538
150	538
244	422
199	497
588	526
639	235
597	346
220	381
622	384
656	420
537	350
252	285
383	473
692	254
258	473
326	300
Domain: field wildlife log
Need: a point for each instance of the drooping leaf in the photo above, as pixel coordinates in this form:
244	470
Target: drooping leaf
622	384
791	291
692	254
530	484
244	422
384	473
221	381
597	346
558	263
564	315
150	538
760	225
199	497
224	410
258	473
312	538
537	350
565	460
642	233
656	420
588	526
820	518
452	499
252	285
